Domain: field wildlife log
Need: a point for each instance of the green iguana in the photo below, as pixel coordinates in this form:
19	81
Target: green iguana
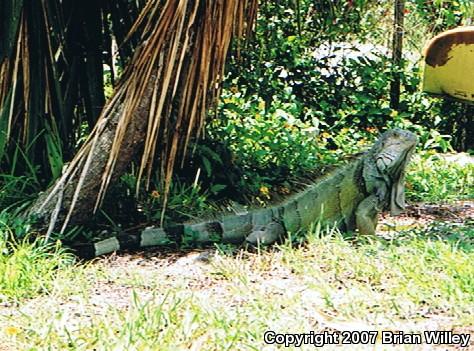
350	198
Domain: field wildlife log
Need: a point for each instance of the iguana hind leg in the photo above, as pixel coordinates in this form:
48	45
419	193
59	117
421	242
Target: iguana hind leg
366	215
265	234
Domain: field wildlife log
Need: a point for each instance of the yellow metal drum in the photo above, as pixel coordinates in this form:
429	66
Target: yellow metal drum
449	64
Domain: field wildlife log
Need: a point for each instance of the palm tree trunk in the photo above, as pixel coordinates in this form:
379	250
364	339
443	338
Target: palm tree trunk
78	190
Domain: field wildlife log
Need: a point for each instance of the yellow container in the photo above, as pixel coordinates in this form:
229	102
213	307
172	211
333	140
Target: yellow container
449	64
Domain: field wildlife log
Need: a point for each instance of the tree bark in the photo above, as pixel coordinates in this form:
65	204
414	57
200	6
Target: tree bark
397	48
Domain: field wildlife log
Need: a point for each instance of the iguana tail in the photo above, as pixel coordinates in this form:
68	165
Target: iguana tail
150	236
259	226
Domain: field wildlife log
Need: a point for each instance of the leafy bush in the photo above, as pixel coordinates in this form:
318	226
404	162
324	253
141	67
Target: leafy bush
269	141
432	178
441	15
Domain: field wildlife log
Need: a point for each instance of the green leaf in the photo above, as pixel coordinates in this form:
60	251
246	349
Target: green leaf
216	188
54	150
207	166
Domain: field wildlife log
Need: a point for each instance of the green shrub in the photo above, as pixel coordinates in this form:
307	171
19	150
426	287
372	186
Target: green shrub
432	178
270	141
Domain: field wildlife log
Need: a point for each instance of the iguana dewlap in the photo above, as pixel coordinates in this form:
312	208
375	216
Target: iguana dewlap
351	198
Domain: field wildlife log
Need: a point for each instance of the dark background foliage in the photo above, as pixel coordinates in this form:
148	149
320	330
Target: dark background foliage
310	87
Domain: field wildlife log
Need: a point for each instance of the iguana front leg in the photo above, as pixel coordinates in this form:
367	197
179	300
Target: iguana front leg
366	215
265	234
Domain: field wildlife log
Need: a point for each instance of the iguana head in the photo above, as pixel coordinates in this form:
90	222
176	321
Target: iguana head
391	154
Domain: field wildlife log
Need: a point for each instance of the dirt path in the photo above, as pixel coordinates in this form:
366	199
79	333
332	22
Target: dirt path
422	214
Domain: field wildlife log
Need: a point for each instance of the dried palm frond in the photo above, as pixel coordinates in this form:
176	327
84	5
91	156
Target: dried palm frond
186	43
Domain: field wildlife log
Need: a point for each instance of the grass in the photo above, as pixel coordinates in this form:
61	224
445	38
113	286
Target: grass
417	281
396	279
29	269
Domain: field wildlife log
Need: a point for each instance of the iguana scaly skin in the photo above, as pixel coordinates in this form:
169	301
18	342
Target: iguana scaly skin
349	198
